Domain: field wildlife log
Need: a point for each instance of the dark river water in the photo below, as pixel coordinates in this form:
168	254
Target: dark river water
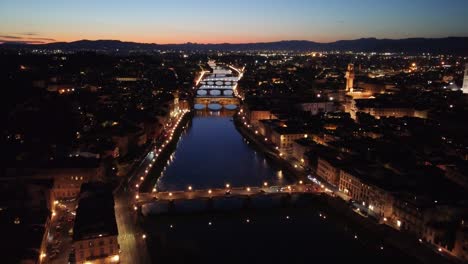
212	153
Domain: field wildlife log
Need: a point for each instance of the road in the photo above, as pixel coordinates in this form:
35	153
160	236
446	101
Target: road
133	247
59	239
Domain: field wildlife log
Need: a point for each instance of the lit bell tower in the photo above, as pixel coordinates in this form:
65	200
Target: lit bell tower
349	77
465	80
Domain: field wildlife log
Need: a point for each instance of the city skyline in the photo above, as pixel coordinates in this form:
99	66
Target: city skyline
264	131
242	22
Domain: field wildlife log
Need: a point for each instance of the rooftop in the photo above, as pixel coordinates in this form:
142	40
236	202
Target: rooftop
95	215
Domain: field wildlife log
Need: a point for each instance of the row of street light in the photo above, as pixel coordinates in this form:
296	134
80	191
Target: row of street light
227	189
157	151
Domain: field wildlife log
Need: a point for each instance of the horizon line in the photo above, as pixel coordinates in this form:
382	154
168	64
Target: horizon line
218	43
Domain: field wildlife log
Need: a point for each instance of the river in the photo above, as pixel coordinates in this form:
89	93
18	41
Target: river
211	153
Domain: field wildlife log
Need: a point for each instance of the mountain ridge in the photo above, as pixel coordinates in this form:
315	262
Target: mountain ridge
448	45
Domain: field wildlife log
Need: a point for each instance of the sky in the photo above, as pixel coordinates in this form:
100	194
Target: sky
233	21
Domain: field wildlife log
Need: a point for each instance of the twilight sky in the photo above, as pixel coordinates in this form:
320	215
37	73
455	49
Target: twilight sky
209	21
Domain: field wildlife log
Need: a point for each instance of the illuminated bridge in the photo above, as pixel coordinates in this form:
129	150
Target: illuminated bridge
221	198
216	89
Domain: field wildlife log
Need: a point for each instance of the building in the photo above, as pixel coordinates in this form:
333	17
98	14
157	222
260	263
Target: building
460	249
465	80
329	168
368	186
349	77
255	113
280	134
95	231
300	147
410	214
127	79
67	174
387	107
317	107
26	210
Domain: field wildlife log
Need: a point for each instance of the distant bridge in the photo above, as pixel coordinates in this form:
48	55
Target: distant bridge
217	91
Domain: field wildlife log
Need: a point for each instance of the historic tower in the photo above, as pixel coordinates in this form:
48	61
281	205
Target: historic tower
465	80
349	77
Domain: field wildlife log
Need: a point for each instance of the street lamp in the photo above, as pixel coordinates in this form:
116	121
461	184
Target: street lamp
209	191
265	184
228	185
248	189
189	188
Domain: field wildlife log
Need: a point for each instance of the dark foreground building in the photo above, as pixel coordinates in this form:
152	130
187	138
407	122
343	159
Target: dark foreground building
95	232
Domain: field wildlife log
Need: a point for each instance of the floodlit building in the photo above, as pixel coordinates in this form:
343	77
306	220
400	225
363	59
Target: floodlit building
370	187
465	80
349	78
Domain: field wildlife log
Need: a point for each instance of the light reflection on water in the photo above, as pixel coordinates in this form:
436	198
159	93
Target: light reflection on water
210	153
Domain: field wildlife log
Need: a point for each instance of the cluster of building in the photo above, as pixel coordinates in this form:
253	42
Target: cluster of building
85	118
394	152
28	208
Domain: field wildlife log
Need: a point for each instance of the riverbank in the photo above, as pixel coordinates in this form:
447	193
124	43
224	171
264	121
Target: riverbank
165	154
273	155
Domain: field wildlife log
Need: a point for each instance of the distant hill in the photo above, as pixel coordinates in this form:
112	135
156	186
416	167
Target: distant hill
449	45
